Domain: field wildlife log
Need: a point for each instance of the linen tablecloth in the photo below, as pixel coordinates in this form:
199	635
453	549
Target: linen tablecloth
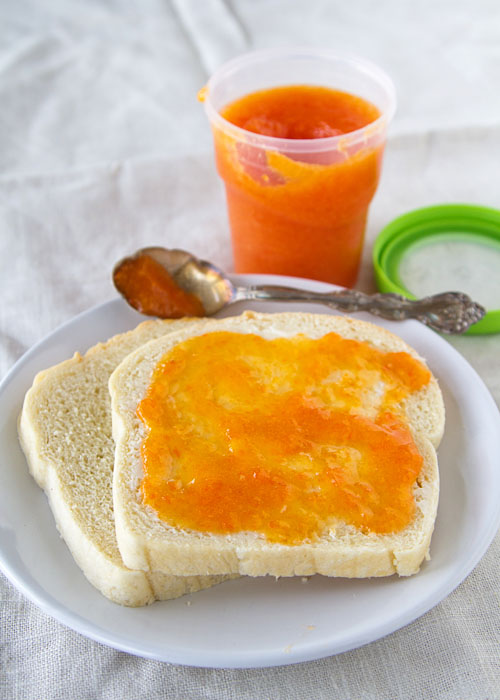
104	149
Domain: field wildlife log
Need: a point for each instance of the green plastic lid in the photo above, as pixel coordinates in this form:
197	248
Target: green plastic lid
444	248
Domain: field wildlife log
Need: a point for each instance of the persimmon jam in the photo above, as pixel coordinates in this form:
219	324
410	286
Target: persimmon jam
284	437
300	112
292	211
150	289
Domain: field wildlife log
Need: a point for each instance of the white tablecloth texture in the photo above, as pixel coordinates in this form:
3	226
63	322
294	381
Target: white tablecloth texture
104	148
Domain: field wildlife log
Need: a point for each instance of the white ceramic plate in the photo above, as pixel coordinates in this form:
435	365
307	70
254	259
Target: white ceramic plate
259	622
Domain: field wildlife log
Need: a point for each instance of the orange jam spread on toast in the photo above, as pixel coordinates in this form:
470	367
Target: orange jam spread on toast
282	437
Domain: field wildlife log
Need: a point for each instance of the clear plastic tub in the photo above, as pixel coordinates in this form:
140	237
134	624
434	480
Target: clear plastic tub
299	206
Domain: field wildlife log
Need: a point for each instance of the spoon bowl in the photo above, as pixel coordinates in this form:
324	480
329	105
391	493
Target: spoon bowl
194	276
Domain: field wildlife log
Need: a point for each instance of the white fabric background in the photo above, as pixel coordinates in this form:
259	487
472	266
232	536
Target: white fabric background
104	148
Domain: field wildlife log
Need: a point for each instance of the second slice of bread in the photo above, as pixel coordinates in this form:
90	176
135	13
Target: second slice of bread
146	542
65	432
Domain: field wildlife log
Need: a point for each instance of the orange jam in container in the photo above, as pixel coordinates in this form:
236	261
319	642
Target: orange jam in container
284	437
300	160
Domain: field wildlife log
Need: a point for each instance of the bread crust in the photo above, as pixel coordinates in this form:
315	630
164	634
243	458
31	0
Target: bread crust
65	432
148	543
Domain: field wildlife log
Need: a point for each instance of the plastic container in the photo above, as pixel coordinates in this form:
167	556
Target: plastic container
448	247
299	206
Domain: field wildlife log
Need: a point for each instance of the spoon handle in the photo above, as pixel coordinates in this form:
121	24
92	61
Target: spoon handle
449	312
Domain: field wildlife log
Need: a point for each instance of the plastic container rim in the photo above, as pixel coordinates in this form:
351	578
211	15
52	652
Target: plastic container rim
328	143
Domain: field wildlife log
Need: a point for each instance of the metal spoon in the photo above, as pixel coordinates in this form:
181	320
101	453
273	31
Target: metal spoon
449	312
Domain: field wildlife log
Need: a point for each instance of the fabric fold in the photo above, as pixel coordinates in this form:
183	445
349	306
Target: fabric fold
213	29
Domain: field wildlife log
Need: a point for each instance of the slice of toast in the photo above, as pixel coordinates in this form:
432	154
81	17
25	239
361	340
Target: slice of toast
148	542
65	432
